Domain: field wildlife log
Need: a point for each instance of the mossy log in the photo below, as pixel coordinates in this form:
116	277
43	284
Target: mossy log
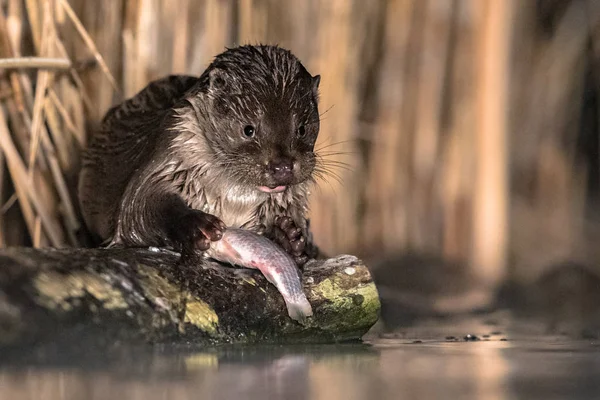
101	297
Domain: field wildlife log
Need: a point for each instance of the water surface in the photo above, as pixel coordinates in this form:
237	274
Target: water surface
429	362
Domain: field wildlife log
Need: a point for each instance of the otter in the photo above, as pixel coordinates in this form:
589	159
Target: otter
187	157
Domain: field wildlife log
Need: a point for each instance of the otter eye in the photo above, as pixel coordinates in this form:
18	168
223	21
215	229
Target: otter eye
301	131
249	131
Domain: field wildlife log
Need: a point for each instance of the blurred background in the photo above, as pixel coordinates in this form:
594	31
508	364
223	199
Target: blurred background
469	129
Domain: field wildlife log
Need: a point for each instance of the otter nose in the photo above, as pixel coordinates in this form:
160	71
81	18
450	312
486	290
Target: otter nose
281	169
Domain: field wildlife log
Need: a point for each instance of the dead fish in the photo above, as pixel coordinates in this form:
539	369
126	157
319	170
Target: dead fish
248	249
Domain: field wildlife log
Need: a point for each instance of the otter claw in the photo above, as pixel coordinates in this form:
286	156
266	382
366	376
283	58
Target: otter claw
197	229
290	238
298	245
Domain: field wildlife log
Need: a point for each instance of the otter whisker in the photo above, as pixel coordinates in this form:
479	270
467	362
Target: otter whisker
326	111
330	158
332	174
325	179
328	173
333	168
318	176
326	145
335	164
330	154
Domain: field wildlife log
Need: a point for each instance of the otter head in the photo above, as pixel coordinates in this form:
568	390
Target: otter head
259	107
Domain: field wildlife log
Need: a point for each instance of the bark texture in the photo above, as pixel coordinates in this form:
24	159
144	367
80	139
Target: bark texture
99	298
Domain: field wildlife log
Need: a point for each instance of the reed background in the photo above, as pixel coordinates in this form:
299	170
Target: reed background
470	126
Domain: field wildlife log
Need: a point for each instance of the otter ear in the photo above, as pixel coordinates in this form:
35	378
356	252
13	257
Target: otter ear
315	84
217	79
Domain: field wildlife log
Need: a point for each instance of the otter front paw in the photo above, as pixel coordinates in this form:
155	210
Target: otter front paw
196	229
290	237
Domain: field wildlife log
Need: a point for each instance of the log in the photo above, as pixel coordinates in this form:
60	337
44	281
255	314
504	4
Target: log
101	298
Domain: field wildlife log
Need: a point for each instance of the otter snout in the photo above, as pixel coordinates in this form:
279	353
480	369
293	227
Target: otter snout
282	170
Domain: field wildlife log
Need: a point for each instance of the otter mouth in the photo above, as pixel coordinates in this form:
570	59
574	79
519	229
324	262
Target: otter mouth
276	189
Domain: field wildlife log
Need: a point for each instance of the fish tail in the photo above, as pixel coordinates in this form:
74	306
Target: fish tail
299	309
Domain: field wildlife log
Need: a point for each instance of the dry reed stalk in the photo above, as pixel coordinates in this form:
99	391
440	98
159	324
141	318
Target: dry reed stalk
458	149
26	190
2	197
11	200
379	148
20	195
171	29
386	220
335	206
302	29
89	42
35	22
87	101
400	202
180	36
57	171
429	94
37	234
18	110
5	93
62	111
253	21
551	215
59	183
44	199
138	38
6	51
410	82
35	63
64	151
15	88
130	23
457	201
103	22
371	32
43	78
14	21
72	110
490	207
42	189
68	209
218	27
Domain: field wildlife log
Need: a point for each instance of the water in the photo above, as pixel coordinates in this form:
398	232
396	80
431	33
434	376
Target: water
420	363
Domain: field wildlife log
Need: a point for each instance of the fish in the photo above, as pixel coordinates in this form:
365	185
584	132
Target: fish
247	249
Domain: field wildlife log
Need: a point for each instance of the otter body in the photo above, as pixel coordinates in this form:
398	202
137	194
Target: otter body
187	156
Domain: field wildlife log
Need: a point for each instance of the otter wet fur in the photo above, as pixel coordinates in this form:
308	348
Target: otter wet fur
188	156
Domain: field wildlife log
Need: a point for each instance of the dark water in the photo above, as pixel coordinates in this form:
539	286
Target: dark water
422	363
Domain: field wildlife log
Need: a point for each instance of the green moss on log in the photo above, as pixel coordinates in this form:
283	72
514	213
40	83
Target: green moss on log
170	296
59	291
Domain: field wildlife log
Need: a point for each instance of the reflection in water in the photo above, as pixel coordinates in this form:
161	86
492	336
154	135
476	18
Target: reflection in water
383	369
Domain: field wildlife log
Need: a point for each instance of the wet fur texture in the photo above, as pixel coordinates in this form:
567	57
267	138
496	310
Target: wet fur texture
178	147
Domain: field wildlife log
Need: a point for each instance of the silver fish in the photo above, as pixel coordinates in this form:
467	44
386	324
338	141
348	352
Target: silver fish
248	249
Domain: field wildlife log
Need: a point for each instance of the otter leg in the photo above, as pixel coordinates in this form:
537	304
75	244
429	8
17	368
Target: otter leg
194	230
164	219
290	237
